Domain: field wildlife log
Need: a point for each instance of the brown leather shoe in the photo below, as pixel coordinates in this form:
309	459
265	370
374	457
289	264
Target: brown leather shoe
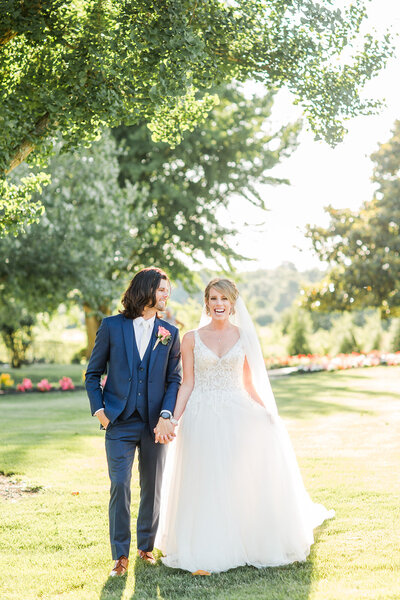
120	567
147	557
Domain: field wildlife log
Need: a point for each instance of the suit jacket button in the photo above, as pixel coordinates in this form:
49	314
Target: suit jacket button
125	397
130	378
139	394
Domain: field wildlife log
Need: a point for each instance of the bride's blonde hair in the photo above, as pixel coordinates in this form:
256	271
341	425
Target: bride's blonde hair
224	286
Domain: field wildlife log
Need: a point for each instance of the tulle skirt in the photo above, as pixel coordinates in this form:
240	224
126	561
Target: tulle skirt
232	492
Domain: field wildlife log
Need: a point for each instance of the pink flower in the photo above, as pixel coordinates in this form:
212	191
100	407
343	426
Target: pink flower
66	384
103	381
44	385
25	385
163	332
163	336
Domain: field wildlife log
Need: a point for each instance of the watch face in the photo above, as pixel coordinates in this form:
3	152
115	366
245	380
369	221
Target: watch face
164	415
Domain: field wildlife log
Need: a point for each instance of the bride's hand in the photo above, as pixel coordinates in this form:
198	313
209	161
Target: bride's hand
164	431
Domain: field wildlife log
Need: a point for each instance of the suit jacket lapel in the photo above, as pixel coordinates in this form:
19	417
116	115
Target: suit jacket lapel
153	353
127	328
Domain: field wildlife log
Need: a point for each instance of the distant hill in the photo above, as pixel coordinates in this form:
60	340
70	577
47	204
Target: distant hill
267	292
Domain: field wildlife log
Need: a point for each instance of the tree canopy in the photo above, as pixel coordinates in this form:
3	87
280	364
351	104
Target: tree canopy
183	188
128	202
363	247
70	68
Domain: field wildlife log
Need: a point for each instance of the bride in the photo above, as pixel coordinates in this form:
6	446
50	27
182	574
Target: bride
232	494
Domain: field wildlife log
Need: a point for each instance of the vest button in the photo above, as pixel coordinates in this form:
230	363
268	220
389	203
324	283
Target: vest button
139	394
125	397
130	378
140	380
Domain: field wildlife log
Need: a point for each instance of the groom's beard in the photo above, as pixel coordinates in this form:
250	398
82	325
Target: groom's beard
161	305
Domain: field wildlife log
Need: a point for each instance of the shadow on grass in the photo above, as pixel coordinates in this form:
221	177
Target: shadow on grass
324	393
245	583
307	408
113	588
279	583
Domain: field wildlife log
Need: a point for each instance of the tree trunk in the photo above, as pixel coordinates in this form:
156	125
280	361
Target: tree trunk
92	322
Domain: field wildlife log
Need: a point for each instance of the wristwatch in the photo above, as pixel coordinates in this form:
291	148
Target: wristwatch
165	414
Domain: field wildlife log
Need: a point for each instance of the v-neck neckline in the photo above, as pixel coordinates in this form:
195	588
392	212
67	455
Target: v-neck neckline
212	351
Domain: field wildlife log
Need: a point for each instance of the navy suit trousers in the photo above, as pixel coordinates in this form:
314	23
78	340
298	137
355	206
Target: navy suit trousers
122	439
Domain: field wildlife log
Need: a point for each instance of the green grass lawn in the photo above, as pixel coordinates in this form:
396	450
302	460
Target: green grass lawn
345	429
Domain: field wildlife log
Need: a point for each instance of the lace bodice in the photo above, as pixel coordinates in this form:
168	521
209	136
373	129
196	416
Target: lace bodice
212	373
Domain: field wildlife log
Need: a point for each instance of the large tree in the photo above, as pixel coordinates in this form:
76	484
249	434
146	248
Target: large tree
129	202
363	247
71	67
182	188
73	252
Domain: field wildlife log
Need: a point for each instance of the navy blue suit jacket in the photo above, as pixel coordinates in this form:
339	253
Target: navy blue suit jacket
114	347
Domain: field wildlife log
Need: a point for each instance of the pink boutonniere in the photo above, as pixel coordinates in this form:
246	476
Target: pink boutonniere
163	336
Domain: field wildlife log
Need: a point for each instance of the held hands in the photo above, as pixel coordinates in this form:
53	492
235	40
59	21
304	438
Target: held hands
164	431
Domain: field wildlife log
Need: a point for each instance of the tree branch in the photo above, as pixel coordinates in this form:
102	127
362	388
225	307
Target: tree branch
194	10
26	146
7	37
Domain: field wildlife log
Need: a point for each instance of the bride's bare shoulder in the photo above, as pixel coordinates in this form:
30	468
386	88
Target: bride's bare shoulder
188	339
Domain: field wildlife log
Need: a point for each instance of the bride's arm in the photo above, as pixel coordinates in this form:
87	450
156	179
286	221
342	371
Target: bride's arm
187	385
248	383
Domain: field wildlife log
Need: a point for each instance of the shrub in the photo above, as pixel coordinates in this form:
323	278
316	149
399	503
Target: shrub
395	341
298	330
349	344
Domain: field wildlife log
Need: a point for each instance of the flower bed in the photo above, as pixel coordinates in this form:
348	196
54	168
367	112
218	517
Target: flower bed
309	363
65	384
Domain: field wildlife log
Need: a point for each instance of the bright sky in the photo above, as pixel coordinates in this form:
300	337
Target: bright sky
320	175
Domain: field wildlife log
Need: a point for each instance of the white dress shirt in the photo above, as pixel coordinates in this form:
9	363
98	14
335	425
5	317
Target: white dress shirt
143	329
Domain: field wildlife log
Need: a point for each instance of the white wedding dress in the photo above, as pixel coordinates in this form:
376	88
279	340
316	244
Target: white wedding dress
232	493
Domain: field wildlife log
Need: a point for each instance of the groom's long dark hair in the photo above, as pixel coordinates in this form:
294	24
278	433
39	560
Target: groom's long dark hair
141	291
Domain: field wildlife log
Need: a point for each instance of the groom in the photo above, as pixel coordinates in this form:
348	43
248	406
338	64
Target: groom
143	377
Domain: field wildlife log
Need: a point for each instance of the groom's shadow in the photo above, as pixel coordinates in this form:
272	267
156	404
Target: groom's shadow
162	583
113	588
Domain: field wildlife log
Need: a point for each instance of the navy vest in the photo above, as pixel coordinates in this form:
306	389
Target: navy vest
137	398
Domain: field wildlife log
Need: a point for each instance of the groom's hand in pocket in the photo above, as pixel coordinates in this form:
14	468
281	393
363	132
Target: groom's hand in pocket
164	431
101	415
